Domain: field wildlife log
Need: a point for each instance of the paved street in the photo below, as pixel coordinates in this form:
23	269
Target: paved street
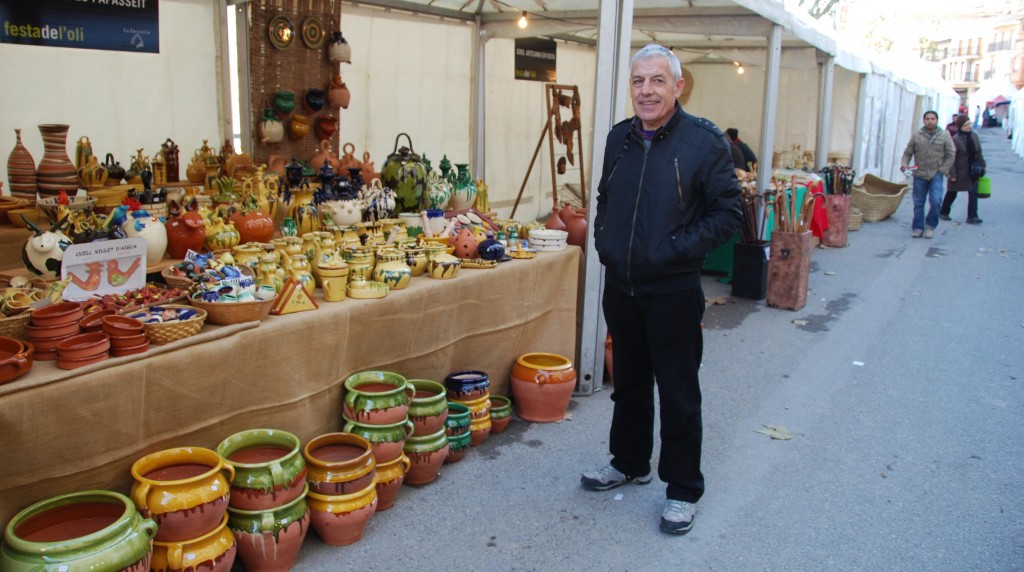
901	382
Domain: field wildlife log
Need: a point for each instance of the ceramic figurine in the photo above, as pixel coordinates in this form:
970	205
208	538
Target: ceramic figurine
151	228
43	252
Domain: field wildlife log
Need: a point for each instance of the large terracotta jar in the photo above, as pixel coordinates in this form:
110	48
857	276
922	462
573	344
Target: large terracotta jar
388	480
89	530
542	385
212	552
55	172
340	520
377	397
577	229
429	408
185	490
426	454
269	540
270	470
339	463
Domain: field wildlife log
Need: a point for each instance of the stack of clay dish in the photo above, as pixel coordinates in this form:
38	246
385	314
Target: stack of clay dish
473	389
15	358
93	321
543	239
51	325
82	350
127	335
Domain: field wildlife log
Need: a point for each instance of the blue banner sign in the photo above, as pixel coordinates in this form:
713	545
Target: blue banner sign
120	25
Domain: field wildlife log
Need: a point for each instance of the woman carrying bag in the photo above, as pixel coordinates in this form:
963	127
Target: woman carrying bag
968	167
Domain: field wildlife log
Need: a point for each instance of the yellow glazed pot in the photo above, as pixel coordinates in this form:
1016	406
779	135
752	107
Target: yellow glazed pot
339	464
389	479
334	280
213	551
339	520
184	490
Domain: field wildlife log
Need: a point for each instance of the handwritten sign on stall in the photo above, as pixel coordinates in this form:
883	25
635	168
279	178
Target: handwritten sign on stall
104	267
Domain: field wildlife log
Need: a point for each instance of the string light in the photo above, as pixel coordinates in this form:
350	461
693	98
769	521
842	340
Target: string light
739	67
522	21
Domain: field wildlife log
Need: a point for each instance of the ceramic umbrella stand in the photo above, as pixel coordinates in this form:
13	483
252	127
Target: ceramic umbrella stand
789	270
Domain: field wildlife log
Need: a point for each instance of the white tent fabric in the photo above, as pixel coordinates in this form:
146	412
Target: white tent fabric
1015	120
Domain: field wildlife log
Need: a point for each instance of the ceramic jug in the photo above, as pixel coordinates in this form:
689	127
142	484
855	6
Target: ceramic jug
405	173
271	128
338	49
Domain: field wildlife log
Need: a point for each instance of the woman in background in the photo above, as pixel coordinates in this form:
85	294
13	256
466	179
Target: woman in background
968	151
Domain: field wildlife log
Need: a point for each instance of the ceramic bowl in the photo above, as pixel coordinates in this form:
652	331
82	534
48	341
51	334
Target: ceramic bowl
55	314
93	321
68	363
366	289
45	355
31	213
48	344
83	346
16	358
51	332
116	325
548	234
138	349
48	205
125	342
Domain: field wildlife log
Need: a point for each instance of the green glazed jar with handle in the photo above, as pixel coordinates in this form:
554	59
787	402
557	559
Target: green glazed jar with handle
269	468
87	530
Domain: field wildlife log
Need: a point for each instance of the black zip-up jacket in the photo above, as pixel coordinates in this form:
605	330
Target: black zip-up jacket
662	209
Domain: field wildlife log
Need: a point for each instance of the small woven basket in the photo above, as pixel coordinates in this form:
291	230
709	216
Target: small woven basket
856	219
176	281
167	332
14	326
225	313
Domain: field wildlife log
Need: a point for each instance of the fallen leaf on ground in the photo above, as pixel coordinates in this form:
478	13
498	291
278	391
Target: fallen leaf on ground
718	301
830	273
567	416
801	322
775	432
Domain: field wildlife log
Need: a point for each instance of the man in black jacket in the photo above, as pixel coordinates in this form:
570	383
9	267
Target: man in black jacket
749	157
668	195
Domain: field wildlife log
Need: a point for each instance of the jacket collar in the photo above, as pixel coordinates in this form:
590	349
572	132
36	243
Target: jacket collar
638	126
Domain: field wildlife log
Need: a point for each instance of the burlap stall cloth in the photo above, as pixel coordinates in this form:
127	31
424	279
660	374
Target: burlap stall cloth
83	431
12	240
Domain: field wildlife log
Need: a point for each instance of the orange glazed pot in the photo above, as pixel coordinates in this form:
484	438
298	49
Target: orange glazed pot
542	385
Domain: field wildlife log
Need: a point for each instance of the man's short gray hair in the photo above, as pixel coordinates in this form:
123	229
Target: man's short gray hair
659	51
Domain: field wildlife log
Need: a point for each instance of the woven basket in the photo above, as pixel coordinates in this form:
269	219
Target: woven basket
224	313
856	219
168	332
14	326
176	281
877	198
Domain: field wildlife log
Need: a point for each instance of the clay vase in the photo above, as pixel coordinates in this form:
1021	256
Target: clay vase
577	229
303	210
388	479
338	94
426	454
566	213
270	470
185	230
212	552
339	464
88	530
55	172
21	171
298	127
429	408
340	520
501	413
386	440
269	540
326	126
377	397
184	490
253	226
542	385
554	221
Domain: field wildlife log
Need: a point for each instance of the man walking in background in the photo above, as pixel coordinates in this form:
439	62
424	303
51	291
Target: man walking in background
932	149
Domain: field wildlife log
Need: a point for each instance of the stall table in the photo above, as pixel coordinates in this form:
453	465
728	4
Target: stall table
66	431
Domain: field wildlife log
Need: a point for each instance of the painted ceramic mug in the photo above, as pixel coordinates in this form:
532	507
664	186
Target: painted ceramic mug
269	468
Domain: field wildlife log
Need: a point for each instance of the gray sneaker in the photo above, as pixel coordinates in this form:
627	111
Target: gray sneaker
917	233
608	477
929	232
677	517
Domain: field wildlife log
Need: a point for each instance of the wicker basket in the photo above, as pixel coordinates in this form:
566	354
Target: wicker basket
224	313
856	219
877	198
175	280
14	326
168	332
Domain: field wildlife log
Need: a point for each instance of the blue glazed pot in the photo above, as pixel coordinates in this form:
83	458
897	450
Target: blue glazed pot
467	385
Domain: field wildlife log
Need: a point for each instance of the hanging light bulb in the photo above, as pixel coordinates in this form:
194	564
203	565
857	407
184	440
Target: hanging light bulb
522	21
739	70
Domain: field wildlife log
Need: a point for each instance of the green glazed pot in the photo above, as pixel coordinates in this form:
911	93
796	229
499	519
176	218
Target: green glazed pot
269	468
501	413
458	419
377	397
88	530
270	539
458	446
385	440
429	408
426	453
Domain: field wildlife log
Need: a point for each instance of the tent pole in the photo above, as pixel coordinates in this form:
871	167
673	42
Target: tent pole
770	107
478	118
827	77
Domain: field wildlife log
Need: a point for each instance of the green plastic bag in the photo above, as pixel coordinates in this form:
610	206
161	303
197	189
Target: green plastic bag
984	188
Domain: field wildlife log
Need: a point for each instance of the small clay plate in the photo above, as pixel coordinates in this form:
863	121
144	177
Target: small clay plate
122	326
51	332
282	32
121	342
121	352
64	363
55	314
313	34
83	346
49	344
93	321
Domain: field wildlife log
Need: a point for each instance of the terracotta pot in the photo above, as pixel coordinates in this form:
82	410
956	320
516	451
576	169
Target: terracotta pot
458	446
184	490
388	479
89	530
269	540
429	408
465	244
385	440
269	468
340	520
479	430
377	397
338	95
566	213
467	385
212	552
501	413
339	463
542	385
554	221
577	229
55	172
457	422
426	454
253	226
326	126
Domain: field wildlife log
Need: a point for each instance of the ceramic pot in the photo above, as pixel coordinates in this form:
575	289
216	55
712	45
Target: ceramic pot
284	101
542	385
271	128
465	244
438	193
334	280
429	408
467	385
303	210
426	454
457	422
338	94
501	413
339	463
184	490
298	127
415	259
464	190
55	172
314	100
141	223
21	171
326	126
458	446
300	270
566	213
345	212
269	540
490	248
577	229
554	221
340	520
405	173
88	530
391	269
185	231
479	430
269	468
221	235
253	226
338	49
377	397
386	440
212	552
196	171
360	264
388	479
